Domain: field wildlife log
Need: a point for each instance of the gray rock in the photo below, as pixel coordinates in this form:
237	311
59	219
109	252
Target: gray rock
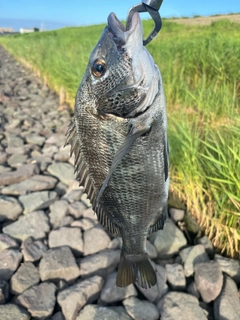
115	242
35	139
4	292
95	312
196	255
33	250
25	277
155	293
13	312
4	169
37	200
140	309
3	157
10	208
66	221
34	224
43	161
63	171
58	263
74	298
227	304
85	224
13	140
90	214
176	214
58	316
229	266
151	250
85	200
175	276
35	183
73	195
71	237
168	241
209	279
61	188
99	263
180	306
76	209
207	245
9	262
192	289
7	242
111	293
22	173
39	300
16	160
57	139
58	210
50	151
97	236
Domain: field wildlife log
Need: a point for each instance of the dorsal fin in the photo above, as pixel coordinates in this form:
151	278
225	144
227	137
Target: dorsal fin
82	174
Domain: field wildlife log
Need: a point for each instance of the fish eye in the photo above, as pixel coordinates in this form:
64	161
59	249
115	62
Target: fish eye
99	68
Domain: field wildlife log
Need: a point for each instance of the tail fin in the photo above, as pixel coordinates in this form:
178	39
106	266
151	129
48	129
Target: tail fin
135	268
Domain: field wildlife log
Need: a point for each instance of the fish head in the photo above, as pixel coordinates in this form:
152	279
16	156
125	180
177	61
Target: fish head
121	72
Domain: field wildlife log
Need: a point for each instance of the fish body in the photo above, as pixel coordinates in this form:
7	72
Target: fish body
119	137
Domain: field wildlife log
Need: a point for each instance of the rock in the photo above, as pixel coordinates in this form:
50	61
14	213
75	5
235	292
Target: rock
140	309
37	200
61	188
76	209
4	292
207	245
58	210
192	289
229	266
35	183
85	200
9	262
97	236
180	306
34	224
22	173
66	221
39	300
13	312
196	255
115	242
58	263
209	279
71	237
90	214
111	293
74	298
33	250
227	304
7	242
176	277
99	263
168	241
151	250
3	157
155	293
16	160
25	277
4	169
13	140
50	151
85	224
63	171
58	316
35	139
10	208
73	195
95	312
176	214
43	161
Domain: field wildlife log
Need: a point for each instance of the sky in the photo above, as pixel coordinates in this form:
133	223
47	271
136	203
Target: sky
53	14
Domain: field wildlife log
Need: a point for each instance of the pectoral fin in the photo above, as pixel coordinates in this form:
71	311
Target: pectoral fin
122	151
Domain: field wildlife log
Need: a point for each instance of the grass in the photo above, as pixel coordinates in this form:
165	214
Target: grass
200	66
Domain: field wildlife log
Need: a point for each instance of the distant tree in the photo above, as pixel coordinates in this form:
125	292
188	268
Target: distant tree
36	29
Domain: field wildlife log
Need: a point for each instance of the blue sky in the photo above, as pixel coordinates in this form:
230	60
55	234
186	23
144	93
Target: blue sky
60	13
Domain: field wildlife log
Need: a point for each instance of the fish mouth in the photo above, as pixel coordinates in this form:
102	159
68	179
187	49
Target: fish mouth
120	33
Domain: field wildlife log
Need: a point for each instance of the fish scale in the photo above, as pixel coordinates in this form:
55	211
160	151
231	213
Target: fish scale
122	159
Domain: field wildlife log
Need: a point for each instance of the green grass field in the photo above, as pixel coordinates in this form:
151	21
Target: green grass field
200	67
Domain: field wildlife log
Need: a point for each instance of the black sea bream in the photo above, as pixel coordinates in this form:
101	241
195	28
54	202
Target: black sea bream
119	138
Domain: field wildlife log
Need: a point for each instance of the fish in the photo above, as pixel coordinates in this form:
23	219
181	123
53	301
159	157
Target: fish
118	135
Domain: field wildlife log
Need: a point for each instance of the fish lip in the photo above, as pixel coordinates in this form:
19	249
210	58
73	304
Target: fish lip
119	32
